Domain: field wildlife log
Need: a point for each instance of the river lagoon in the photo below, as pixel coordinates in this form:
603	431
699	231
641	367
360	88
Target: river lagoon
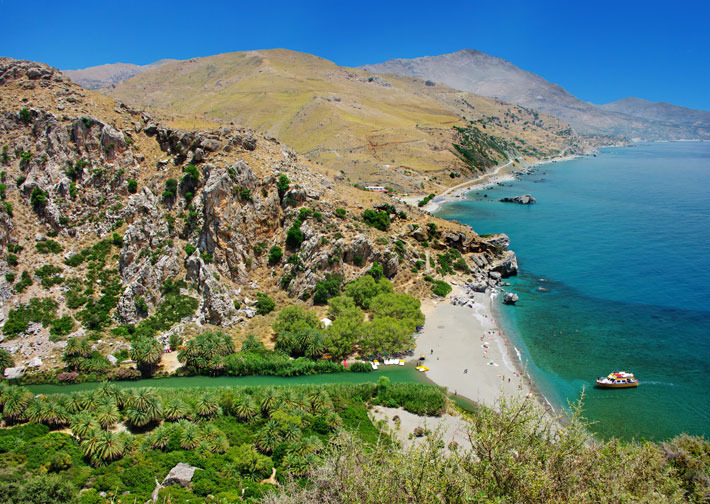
614	275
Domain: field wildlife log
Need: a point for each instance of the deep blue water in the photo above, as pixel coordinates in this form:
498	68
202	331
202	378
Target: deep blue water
620	243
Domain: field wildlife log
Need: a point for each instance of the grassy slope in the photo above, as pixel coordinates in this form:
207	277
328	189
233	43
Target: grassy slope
332	114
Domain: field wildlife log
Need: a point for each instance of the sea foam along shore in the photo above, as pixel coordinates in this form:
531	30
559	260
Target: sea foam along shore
466	351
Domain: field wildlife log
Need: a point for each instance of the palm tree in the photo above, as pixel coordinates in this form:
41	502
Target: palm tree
291	433
245	408
82	424
54	414
333	420
76	351
160	437
174	409
138	418
268	402
33	413
215	440
269	437
320	400
102	447
146	401
107	415
89	400
189	436
206	405
111	391
297	464
16	401
147	353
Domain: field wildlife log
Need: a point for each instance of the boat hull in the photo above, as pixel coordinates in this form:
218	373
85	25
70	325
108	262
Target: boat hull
617	385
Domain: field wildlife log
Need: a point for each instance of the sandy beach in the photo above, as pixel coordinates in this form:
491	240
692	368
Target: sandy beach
466	352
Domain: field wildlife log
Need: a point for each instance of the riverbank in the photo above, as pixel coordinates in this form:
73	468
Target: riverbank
466	351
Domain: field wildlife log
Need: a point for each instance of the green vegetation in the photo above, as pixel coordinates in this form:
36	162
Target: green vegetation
426	200
39	199
234	435
170	191
479	150
340	212
132	186
328	288
25	115
49	275
189	182
48	246
275	255
25	281
282	186
205	354
43	311
377	219
264	304
440	288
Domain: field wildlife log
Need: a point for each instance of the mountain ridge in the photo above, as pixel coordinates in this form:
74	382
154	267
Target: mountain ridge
108	74
479	73
395	131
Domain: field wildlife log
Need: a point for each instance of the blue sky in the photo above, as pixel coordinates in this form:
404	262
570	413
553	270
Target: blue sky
598	50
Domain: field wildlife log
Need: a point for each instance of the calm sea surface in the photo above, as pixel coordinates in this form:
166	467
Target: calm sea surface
615	274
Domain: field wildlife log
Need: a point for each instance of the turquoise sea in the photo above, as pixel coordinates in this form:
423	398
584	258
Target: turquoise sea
614	274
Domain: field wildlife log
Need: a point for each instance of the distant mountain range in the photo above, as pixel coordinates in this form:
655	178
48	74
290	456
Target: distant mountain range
106	75
479	73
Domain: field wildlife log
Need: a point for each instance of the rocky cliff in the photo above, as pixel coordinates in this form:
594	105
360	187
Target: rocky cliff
112	221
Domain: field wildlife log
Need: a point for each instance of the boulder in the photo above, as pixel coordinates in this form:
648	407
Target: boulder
35	363
14	372
510	298
525	199
112	359
181	475
507	266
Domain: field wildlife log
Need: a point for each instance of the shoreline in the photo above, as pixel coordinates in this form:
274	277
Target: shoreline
502	173
466	351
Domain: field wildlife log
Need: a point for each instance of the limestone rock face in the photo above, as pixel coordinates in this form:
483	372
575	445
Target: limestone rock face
501	241
181	475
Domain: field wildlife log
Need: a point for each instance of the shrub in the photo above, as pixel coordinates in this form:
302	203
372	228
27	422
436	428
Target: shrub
25	281
328	288
264	304
340	212
132	186
189	249
49	275
282	186
426	200
377	219
440	288
11	259
171	187
294	236
275	255
25	115
37	310
47	246
39	198
360	367
10	277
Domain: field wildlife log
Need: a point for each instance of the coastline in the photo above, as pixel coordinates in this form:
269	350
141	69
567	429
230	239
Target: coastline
466	351
502	173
